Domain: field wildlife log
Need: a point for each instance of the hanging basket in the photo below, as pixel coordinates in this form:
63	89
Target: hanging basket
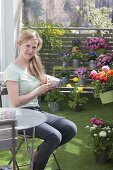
106	97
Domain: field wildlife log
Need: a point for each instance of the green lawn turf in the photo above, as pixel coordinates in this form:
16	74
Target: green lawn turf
74	155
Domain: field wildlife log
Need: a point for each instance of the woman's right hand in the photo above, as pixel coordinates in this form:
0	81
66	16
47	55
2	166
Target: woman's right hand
43	89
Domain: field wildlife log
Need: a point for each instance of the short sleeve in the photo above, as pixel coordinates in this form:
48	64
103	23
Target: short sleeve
11	74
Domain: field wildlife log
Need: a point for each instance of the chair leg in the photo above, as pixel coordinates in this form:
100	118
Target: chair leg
20	144
56	161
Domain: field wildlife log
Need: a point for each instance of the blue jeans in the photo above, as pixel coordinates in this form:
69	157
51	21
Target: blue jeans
55	132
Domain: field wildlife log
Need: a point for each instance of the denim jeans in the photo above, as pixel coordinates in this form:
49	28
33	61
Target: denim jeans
55	132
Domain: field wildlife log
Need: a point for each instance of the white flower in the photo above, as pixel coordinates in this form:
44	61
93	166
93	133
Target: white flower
87	127
102	134
95	134
95	125
92	128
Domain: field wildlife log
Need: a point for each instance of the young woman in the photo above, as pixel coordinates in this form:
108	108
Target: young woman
25	79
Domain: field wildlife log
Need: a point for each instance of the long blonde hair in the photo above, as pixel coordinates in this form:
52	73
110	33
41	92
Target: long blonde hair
36	66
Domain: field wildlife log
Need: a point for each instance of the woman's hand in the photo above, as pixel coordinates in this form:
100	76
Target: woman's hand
43	89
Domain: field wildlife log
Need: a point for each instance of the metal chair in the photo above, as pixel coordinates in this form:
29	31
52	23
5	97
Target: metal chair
25	139
8	137
3	91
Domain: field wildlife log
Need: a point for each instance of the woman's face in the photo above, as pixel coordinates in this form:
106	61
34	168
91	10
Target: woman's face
29	49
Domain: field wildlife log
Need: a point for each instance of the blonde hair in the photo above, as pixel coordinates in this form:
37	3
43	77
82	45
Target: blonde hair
36	66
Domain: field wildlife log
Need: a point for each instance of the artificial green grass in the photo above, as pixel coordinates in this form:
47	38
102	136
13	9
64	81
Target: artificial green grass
74	155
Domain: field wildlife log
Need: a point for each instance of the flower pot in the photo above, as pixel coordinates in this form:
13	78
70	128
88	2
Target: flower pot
75	63
81	81
106	97
92	64
64	80
64	64
78	107
102	157
54	106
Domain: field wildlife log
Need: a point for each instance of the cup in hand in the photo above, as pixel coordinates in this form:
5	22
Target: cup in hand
53	80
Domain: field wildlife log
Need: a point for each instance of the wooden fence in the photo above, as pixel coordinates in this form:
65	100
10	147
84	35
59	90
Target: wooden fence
52	58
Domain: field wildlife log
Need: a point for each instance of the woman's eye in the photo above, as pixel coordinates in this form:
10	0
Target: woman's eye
34	48
28	46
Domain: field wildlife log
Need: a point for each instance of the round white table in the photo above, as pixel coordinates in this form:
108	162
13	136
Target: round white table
28	118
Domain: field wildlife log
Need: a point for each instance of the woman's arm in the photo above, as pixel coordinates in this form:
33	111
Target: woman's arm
18	100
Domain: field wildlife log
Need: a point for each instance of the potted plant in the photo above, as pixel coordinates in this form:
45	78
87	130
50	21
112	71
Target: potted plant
103	84
76	100
100	139
81	74
104	59
65	59
76	42
92	59
53	97
64	76
97	44
76	54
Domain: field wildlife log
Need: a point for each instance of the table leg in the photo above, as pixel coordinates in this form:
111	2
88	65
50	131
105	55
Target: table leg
30	152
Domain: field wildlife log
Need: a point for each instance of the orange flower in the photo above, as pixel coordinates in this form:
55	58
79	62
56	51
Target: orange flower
110	72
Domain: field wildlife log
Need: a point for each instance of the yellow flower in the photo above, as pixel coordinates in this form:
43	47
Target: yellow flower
75	79
80	90
68	85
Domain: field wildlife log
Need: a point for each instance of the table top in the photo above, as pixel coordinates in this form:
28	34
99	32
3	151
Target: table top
26	118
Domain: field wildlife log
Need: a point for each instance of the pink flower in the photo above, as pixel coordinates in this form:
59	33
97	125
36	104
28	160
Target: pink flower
105	68
93	73
96	43
96	121
92	120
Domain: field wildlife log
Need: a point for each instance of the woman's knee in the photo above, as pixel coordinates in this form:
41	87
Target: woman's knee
70	127
73	128
54	138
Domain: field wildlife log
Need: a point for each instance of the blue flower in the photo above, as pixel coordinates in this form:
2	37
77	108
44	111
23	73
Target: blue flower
76	42
92	55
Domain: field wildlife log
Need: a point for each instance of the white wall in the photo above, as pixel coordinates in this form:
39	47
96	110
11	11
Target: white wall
10	25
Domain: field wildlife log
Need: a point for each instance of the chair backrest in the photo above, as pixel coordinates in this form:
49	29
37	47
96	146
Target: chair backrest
8	137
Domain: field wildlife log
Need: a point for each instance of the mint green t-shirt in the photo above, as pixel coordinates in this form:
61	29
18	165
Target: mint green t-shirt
26	82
